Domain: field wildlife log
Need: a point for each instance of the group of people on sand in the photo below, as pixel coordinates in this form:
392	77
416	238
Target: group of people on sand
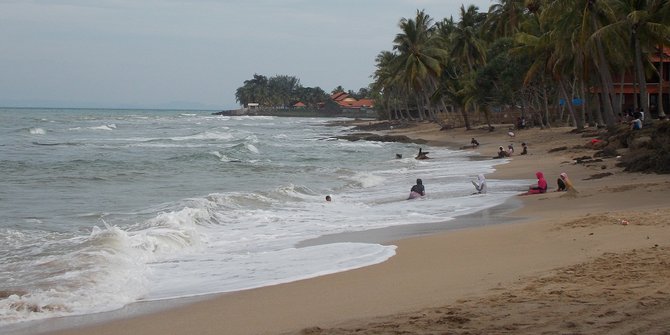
563	182
634	118
502	153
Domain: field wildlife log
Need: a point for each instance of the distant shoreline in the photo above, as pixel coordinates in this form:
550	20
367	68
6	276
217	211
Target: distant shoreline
368	114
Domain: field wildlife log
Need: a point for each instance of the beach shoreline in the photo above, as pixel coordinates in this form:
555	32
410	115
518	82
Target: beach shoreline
560	230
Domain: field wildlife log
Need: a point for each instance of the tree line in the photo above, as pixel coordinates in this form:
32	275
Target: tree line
524	56
282	91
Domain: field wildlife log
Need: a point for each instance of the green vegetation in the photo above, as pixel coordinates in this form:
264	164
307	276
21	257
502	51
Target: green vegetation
523	57
519	58
281	92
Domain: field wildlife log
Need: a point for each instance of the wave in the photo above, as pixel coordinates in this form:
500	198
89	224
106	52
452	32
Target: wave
57	275
365	180
54	144
37	131
110	126
207	135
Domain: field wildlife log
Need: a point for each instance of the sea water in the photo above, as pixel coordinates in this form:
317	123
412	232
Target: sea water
103	208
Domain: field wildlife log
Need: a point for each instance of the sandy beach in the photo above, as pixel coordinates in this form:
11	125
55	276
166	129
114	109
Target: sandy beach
595	261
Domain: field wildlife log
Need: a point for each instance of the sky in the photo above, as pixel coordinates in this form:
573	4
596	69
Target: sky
191	54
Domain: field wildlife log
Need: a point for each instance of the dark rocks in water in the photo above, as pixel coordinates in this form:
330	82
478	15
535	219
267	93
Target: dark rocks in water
380	138
385	125
226	112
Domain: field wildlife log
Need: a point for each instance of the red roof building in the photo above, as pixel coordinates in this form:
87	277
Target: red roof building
349	103
629	91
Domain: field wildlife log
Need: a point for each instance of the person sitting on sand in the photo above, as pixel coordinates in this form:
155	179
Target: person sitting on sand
564	183
417	190
636	124
510	149
525	148
480	184
541	186
474	143
501	153
422	155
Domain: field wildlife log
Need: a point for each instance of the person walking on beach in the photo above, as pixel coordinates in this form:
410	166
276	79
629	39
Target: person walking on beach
480	184
541	186
417	190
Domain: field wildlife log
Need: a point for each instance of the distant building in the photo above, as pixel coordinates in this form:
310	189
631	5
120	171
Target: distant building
299	104
629	91
350	104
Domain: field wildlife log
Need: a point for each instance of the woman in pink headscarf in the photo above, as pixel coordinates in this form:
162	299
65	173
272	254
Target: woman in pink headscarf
541	184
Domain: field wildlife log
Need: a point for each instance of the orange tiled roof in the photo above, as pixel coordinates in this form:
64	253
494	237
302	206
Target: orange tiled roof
339	96
368	103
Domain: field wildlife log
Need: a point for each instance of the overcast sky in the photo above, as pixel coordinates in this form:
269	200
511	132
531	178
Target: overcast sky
190	53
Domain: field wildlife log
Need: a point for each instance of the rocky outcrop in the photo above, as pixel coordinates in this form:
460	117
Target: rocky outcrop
380	138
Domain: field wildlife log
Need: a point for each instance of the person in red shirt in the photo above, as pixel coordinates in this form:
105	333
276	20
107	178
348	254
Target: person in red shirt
541	186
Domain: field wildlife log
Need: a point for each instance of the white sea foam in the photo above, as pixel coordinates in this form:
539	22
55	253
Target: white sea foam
37	131
251	148
183	218
104	127
208	135
366	179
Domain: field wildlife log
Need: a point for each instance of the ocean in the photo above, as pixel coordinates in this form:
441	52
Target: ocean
103	208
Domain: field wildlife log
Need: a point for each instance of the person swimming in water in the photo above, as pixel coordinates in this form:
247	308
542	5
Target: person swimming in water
422	155
417	190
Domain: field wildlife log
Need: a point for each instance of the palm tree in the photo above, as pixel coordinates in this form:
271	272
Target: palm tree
637	22
467	45
504	18
468	49
536	42
578	21
254	90
385	78
420	58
